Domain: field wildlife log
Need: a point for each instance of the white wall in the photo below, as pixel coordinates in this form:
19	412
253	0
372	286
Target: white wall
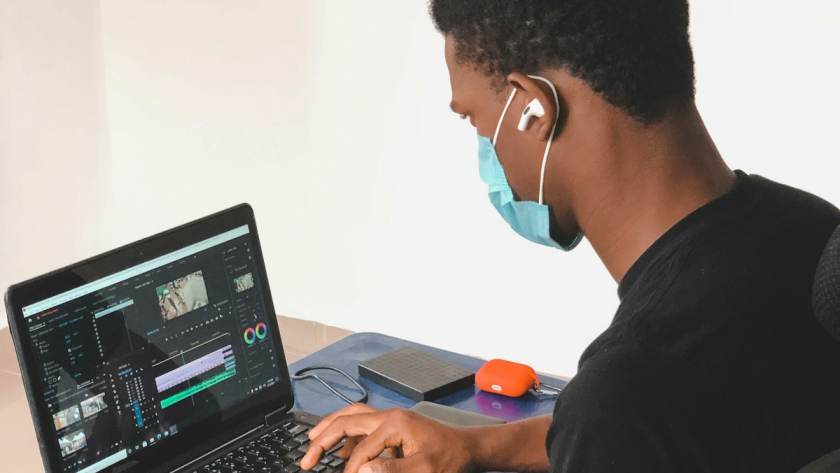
335	124
331	118
54	164
767	75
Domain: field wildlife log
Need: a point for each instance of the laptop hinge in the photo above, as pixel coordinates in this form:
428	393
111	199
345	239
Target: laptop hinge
276	416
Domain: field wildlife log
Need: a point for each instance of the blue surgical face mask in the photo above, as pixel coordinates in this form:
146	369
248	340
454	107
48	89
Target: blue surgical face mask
529	219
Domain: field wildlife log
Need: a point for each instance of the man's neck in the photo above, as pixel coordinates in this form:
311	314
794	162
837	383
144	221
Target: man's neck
647	179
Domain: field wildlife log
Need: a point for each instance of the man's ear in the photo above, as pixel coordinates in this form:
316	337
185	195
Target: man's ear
537	89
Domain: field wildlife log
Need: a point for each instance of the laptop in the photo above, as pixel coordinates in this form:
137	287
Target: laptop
161	356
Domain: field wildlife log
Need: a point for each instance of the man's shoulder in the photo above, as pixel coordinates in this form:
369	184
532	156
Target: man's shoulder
771	241
761	210
743	273
792	205
760	229
771	235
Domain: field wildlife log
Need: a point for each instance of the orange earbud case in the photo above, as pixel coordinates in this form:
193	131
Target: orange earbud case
506	378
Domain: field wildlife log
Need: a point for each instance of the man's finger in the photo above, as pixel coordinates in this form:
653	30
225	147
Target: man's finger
339	428
348	447
372	446
349	410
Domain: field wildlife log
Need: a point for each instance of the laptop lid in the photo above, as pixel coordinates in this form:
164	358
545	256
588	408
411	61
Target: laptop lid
151	355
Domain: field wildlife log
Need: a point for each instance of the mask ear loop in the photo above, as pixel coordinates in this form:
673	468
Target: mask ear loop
553	129
504	112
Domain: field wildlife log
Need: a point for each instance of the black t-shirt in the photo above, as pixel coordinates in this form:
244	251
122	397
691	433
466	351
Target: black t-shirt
714	361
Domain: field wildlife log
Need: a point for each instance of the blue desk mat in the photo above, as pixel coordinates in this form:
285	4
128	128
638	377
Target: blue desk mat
311	396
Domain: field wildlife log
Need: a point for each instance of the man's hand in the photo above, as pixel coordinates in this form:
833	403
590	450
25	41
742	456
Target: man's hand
414	443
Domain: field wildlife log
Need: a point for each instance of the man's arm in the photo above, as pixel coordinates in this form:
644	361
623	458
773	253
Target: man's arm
519	446
423	445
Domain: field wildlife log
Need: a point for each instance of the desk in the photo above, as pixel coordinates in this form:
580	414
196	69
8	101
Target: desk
312	396
19	448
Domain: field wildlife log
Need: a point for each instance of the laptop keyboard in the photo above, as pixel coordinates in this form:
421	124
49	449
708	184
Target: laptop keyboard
278	451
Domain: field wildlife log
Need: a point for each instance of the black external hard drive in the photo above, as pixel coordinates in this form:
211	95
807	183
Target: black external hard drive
416	374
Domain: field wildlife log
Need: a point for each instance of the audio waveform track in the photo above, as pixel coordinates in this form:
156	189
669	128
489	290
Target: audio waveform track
194	368
229	372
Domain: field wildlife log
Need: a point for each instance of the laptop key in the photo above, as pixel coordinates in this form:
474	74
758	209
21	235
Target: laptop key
281	462
295	455
336	448
278	451
298	429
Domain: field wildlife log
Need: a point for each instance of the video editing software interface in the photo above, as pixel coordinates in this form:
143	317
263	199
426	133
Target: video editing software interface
130	360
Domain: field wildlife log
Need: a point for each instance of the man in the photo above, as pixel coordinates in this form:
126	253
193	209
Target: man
714	361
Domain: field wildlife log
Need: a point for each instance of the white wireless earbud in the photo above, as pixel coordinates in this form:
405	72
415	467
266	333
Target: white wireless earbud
534	109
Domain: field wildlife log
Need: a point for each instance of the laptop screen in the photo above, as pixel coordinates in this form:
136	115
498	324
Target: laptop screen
132	359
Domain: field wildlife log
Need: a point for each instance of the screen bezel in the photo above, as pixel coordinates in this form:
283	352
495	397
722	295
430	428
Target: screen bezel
201	437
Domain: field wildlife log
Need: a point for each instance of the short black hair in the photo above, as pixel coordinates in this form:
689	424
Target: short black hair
635	53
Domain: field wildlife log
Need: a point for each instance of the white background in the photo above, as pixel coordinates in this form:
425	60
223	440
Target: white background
121	119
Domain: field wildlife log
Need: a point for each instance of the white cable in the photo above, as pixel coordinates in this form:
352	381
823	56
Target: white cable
551	137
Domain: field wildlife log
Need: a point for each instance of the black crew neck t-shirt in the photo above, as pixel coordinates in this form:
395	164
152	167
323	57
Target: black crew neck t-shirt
714	361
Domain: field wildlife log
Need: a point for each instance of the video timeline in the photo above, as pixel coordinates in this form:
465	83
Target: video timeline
191	374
